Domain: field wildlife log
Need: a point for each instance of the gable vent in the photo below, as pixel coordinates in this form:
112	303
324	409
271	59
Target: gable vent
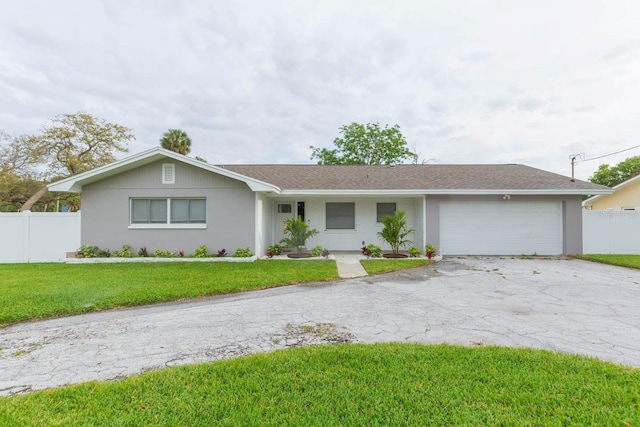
168	173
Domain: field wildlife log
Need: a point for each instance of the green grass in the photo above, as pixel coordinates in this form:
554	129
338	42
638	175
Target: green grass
378	266
33	291
631	261
382	384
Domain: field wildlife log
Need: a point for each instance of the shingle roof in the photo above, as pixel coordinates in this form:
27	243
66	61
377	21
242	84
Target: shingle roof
411	177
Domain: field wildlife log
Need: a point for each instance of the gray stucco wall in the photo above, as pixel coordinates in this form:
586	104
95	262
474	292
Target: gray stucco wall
230	216
571	217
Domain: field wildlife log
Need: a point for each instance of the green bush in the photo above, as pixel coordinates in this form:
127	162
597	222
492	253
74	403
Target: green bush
375	251
88	251
201	252
161	253
242	253
317	251
415	252
275	250
124	252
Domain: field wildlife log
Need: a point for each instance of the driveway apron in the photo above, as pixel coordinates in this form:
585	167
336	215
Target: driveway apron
571	306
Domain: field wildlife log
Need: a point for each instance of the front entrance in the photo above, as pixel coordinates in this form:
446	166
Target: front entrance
284	211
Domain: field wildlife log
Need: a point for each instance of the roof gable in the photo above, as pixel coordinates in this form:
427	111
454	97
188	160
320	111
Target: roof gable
74	184
635	181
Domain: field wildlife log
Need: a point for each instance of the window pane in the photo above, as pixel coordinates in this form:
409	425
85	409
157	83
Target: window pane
179	210
140	211
158	211
384	209
341	216
284	208
197	211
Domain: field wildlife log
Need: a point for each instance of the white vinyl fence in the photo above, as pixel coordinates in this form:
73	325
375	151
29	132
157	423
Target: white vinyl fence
38	236
611	232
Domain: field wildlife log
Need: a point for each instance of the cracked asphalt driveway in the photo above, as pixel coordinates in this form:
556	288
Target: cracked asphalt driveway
571	306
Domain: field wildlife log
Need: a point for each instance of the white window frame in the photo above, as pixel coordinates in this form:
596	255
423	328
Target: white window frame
168	224
168	173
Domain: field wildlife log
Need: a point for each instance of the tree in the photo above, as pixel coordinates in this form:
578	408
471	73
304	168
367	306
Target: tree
365	145
297	233
612	176
74	143
395	231
176	140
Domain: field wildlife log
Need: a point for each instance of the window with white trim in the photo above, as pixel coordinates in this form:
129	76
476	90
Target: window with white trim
384	209
341	216
168	173
168	211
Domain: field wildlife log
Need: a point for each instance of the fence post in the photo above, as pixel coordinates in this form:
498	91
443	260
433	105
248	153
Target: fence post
26	226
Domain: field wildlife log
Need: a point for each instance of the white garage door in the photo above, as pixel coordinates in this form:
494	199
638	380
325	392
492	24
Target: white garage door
500	228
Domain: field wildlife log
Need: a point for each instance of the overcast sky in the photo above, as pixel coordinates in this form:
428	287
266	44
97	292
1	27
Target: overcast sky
475	81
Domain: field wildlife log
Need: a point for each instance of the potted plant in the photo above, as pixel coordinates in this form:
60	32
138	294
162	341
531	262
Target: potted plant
430	250
395	233
296	233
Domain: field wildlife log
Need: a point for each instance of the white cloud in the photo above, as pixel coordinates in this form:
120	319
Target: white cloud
258	82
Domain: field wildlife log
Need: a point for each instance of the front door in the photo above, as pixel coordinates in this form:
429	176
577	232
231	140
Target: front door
284	211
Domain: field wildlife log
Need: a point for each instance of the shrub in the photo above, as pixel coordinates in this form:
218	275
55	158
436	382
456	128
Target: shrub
430	250
221	253
88	251
242	253
415	252
161	253
143	252
372	251
317	251
124	252
276	249
201	252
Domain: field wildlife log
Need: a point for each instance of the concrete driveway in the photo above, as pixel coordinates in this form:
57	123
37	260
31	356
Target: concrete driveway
571	306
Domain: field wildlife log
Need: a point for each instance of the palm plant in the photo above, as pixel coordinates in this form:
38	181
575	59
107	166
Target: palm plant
176	140
395	231
296	233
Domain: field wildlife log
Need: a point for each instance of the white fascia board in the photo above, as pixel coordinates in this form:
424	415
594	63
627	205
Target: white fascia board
438	192
74	184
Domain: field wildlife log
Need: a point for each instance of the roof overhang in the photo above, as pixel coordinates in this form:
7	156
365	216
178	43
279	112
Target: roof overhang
427	191
75	183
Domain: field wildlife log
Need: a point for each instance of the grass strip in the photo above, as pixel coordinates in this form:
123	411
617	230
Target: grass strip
380	384
35	291
631	261
379	266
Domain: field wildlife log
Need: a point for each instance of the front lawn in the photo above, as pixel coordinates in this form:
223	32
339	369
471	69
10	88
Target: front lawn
378	266
631	261
32	291
381	384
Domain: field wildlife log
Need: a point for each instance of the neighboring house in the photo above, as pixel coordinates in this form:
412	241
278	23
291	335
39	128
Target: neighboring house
163	200
626	195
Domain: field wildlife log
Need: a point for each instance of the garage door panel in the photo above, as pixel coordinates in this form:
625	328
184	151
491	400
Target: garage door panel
500	228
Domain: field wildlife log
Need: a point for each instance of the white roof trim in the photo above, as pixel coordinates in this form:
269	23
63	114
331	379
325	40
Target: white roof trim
590	200
74	184
427	191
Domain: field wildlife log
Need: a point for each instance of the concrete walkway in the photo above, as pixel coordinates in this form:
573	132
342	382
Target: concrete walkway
349	265
571	306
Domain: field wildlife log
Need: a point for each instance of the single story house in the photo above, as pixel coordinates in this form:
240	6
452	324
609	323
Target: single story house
625	196
163	200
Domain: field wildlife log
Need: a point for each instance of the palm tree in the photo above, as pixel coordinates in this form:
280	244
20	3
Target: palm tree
296	233
176	140
395	231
